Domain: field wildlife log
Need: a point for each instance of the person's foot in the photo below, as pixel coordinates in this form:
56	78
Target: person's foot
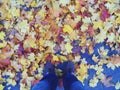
48	68
64	68
68	67
60	69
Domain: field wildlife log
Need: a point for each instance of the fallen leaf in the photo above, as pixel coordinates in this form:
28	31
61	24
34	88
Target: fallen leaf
67	29
117	86
64	2
2	35
14	11
98	24
93	82
73	35
90	49
106	81
115	59
1	87
104	15
3	44
5	62
55	58
117	20
68	47
111	65
82	72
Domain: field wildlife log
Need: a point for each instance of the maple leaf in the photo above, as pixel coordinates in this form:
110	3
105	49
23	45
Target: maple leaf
104	15
93	82
64	2
2	35
106	81
68	47
82	72
117	86
67	29
98	24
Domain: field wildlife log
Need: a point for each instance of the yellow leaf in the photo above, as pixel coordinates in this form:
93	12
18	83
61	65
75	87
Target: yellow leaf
118	20
83	72
23	26
62	58
24	74
55	58
58	72
1	26
36	65
41	13
117	86
32	44
112	1
67	29
68	47
7	24
41	42
83	68
102	51
33	3
29	15
2	35
29	43
93	82
118	39
73	36
5	1
98	24
3	44
1	87
23	61
14	11
9	15
105	53
12	82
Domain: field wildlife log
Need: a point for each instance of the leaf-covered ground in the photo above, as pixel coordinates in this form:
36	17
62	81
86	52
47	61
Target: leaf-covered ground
87	32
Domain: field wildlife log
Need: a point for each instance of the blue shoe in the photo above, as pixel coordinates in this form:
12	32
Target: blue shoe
68	67
48	68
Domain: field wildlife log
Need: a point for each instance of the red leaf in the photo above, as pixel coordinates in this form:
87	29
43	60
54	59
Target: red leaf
102	6
44	22
5	62
90	31
78	25
104	14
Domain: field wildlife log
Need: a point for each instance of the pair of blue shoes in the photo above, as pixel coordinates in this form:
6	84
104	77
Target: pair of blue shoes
60	70
59	73
59	77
